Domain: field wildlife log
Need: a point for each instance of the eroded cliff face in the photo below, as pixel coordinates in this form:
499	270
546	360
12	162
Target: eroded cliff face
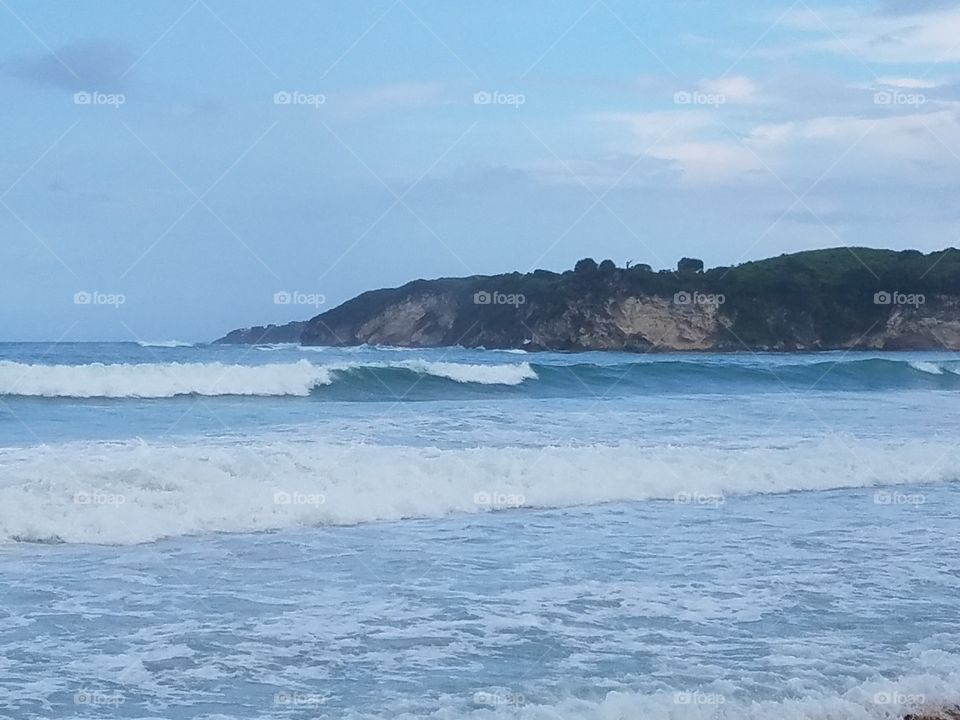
933	326
665	323
829	299
624	323
425	317
421	321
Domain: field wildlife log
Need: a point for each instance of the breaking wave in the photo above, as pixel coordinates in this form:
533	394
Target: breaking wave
931	687
159	380
164	380
418	378
132	492
163	344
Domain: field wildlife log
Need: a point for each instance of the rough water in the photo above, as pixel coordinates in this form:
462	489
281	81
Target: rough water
274	531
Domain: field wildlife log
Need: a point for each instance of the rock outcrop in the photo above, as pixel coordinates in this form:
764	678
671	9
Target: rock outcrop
845	298
289	333
941	714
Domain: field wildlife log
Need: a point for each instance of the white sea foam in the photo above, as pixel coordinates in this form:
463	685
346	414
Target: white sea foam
163	344
926	367
278	346
159	380
136	492
935	685
509	374
162	380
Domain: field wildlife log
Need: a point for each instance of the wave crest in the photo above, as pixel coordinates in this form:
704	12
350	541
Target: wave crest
159	380
163	344
137	492
164	380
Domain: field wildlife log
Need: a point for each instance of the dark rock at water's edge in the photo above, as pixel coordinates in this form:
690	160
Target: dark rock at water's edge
943	714
260	335
841	298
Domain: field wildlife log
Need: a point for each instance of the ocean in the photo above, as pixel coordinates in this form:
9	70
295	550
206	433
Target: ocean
226	532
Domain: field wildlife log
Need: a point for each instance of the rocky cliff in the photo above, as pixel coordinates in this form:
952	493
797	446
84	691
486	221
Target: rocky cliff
830	299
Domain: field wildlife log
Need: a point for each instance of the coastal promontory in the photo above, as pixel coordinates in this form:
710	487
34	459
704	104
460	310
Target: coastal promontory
833	299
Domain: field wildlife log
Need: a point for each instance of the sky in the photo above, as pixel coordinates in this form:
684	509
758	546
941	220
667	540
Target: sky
177	169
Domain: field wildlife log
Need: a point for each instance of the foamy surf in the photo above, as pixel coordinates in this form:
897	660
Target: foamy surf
159	380
927	367
472	373
165	380
933	686
136	492
163	344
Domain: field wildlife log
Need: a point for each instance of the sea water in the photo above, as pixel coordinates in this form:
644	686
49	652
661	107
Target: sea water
275	531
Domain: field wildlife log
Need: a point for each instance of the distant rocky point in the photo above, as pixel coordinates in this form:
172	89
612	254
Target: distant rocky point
264	335
834	299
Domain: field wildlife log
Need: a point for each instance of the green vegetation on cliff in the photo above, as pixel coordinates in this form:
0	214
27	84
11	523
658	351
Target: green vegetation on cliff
819	299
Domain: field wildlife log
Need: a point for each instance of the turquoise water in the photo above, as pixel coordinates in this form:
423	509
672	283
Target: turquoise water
233	532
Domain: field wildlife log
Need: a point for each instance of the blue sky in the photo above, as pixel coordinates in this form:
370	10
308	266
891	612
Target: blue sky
194	158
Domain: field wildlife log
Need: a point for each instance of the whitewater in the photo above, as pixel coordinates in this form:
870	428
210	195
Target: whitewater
164	380
202	531
303	377
137	492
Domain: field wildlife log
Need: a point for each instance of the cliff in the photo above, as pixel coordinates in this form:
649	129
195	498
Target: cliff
843	298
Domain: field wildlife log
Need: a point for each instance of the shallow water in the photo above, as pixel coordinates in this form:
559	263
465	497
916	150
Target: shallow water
548	536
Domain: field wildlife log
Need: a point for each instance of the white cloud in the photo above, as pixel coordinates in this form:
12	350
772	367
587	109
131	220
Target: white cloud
735	89
384	98
907	83
913	148
922	37
699	146
891	145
